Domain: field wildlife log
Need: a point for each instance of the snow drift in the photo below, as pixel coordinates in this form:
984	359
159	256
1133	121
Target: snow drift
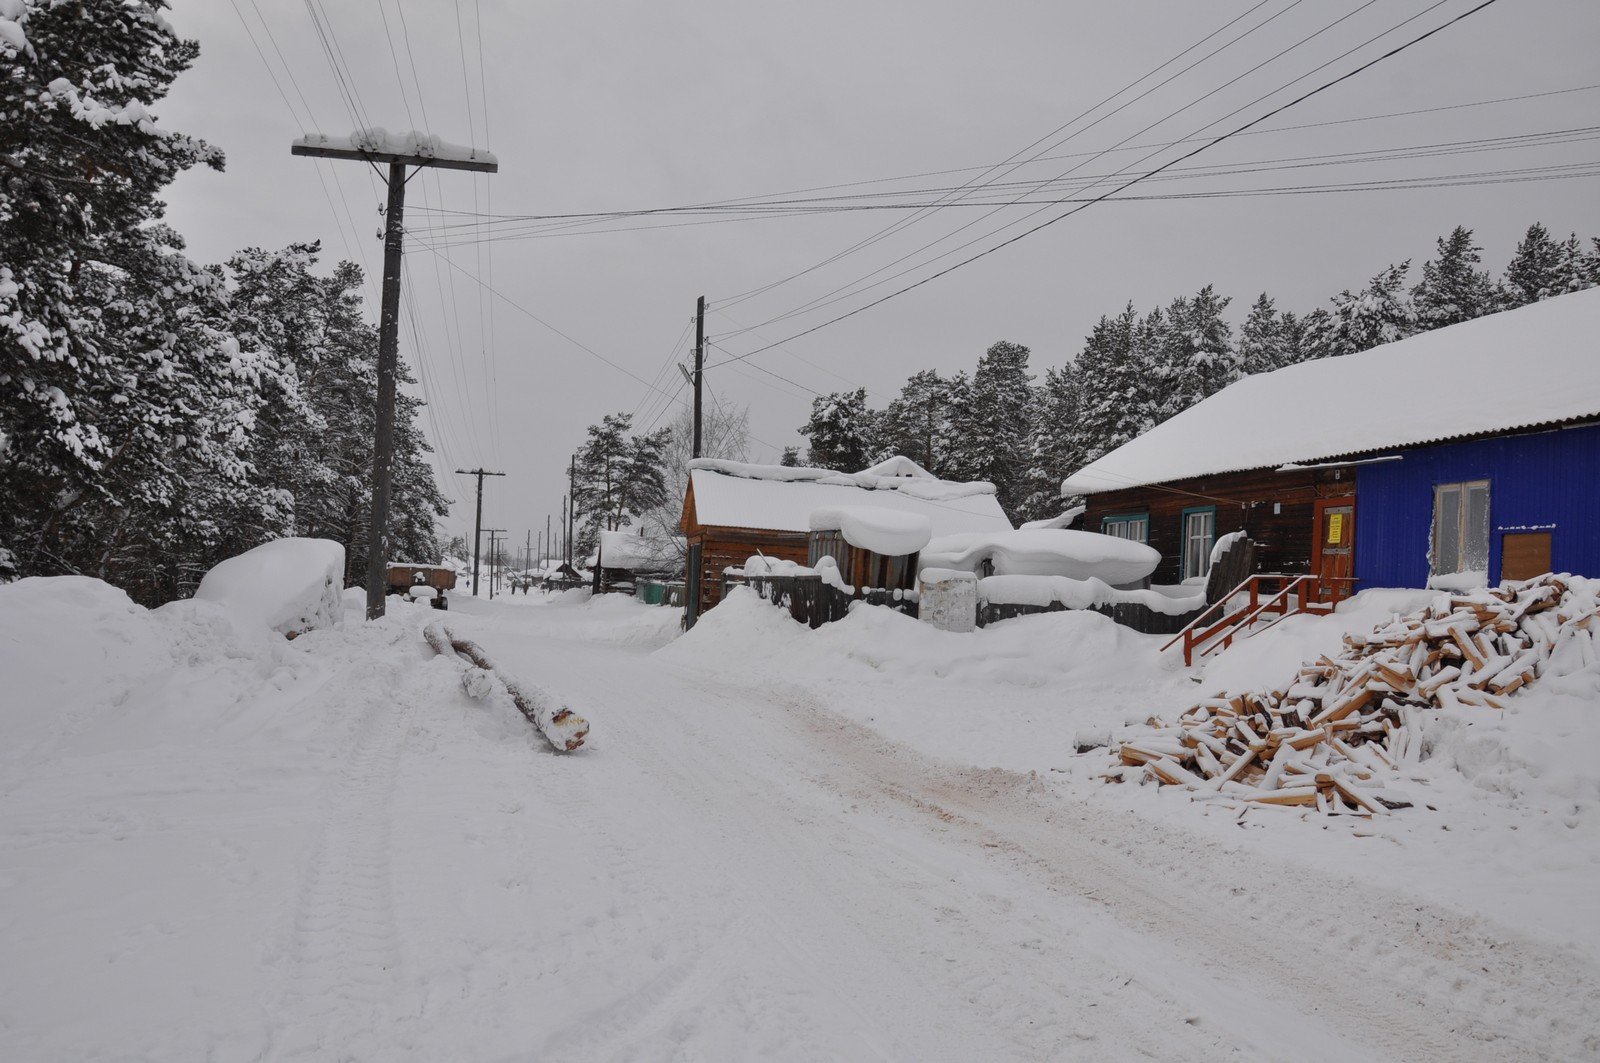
288	585
1078	555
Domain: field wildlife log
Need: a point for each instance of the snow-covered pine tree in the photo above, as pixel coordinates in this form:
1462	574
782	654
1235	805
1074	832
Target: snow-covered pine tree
82	404
1538	269
842	431
1262	344
1379	313
1197	351
1117	388
790	458
992	433
914	424
1452	288
1055	441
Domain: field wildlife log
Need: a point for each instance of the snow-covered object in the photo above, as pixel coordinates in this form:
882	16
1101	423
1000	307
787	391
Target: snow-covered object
1334	735
640	553
1444	384
1077	555
948	599
288	585
1223	544
891	532
732	494
476	683
1459	581
1063	521
1045	591
410	142
422	592
828	569
761	565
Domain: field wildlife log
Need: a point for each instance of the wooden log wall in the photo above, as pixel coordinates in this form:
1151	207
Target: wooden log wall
1276	509
722	548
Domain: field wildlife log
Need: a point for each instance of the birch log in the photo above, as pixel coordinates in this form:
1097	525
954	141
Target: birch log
564	729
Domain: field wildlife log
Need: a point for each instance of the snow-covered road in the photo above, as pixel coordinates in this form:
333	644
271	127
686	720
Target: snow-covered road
724	873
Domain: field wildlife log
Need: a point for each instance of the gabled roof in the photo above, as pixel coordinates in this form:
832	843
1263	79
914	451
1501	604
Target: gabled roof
1536	365
639	553
730	494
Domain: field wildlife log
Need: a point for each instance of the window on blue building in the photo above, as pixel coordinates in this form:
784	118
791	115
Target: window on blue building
1461	528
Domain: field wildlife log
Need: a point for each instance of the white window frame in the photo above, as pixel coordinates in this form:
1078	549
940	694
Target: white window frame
1463	508
1127	526
1197	563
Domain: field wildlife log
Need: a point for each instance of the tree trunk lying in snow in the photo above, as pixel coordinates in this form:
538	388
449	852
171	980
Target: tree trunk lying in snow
561	727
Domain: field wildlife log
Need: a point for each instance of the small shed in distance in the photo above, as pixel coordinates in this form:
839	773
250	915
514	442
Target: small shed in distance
623	557
733	511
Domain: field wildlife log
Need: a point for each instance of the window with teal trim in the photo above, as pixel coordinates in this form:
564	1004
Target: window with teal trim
1135	526
1198	532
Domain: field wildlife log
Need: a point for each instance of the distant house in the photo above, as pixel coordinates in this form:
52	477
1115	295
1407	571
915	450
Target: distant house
623	557
733	511
1465	455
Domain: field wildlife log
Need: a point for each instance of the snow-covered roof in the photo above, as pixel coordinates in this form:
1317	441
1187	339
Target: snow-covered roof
640	553
1063	521
732	494
890	532
1536	365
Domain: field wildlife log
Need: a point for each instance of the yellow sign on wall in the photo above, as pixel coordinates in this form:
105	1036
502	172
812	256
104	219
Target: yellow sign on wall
1335	528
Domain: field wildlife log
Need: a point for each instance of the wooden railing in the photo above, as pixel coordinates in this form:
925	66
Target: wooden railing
1216	628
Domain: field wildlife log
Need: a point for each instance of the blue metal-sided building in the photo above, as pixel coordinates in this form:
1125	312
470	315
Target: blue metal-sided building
1455	458
1523	504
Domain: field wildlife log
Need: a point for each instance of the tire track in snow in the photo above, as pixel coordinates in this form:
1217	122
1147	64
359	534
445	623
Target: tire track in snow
343	953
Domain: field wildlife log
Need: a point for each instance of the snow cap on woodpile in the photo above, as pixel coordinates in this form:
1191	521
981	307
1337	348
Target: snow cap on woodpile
734	494
890	532
1522	368
288	585
1078	555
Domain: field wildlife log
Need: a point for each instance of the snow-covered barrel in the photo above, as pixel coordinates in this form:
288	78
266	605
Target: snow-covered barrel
874	547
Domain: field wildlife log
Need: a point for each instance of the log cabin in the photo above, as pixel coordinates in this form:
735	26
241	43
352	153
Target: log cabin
1453	458
733	511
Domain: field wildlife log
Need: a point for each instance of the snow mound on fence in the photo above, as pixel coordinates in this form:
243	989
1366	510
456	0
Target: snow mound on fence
1078	555
288	585
891	532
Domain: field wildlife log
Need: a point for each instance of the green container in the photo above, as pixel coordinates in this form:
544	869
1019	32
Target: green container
649	592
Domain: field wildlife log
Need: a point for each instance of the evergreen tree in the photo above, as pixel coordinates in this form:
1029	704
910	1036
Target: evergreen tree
790	458
1198	351
619	477
1263	345
1537	268
1452	288
1055	452
915	423
1380	313
118	387
992	433
841	431
1117	393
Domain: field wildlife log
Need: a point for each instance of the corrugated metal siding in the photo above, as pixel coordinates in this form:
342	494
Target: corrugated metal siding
1537	479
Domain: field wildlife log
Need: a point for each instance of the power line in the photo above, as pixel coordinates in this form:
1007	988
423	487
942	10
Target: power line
1128	184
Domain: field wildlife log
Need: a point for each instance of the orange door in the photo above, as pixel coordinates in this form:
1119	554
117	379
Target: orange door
1334	556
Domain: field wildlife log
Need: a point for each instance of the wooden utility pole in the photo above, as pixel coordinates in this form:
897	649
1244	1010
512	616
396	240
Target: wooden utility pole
546	534
494	569
572	502
318	146
477	521
699	365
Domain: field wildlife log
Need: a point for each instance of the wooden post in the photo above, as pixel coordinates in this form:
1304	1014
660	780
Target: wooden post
699	366
477	521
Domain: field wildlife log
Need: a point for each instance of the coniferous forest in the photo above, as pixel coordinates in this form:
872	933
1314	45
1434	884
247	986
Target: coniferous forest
159	414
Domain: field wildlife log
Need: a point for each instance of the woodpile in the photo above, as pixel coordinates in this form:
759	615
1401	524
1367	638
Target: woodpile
564	729
1329	737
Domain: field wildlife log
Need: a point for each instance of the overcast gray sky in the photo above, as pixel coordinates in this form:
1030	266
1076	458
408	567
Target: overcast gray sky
627	105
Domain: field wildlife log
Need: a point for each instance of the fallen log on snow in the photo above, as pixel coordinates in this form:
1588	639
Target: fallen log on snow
564	729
